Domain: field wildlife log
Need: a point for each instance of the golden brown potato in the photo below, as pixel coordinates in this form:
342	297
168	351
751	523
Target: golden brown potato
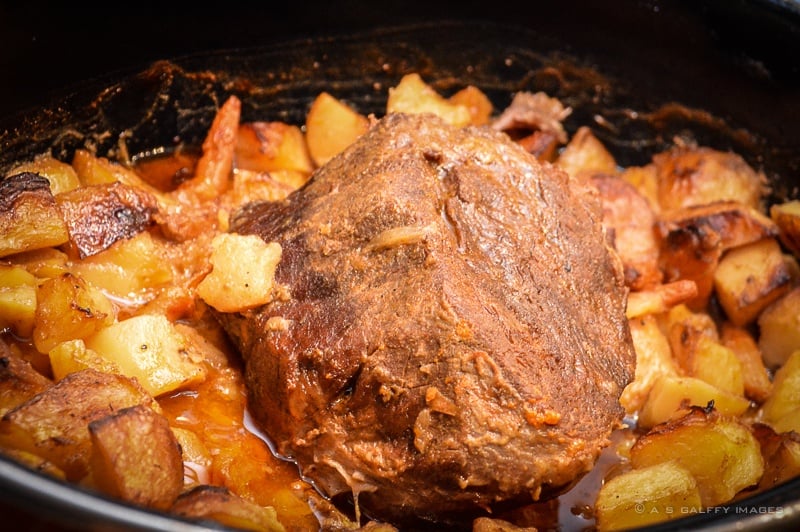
720	452
17	300
645	179
331	126
72	356
99	215
19	381
219	504
749	278
69	308
55	423
691	175
779	329
782	409
647	495
786	216
152	350
757	382
135	457
412	95
270	146
29	217
62	176
43	263
479	105
671	397
628	215
781	455
585	155
653	360
684	329
93	170
250	186
660	298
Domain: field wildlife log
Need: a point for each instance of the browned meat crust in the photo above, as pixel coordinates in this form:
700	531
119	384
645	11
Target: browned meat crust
454	333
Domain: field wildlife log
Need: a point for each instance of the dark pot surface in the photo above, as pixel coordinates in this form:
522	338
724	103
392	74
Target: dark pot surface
731	66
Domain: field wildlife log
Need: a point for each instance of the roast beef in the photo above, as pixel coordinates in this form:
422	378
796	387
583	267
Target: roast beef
452	330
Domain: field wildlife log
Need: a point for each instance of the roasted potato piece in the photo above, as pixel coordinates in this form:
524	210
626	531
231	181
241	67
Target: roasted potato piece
17	300
782	409
331	126
646	496
671	397
69	308
720	452
151	349
243	268
99	215
270	146
34	462
135	457
627	213
249	185
781	455
779	329
219	504
54	423
749	278
757	382
660	298
413	95
43	263
130	269
584	155
786	216
479	105
19	381
691	175
94	170
645	179
62	176
29	216
684	329
717	365
653	360
72	356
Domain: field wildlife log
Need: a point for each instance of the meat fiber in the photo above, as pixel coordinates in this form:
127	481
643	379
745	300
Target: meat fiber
452	333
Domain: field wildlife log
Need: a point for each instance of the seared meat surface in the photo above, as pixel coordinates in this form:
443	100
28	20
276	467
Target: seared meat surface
452	332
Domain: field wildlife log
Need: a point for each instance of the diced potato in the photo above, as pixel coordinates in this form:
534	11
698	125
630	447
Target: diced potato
479	105
585	155
72	356
685	329
645	179
269	146
779	329
69	308
717	365
94	170
646	496
243	268
135	457
653	359
150	348
196	457
660	298
29	217
219	504
785	398
412	95
671	397
54	424
787	217
757	381
43	263
99	215
129	268
689	254
17	300
690	175
749	278
331	126
19	381
720	452
781	455
249	185
62	176
34	462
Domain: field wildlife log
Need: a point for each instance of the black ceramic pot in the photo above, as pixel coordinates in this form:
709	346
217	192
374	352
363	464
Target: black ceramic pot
725	73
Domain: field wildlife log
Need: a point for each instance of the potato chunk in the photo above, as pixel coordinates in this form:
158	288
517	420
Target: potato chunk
653	360
331	126
647	495
757	382
55	423
62	176
17	300
69	308
749	278
781	455
29	216
720	452
787	217
243	268
219	504
151	349
19	381
779	329
585	155
413	95
782	409
135	457
270	146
